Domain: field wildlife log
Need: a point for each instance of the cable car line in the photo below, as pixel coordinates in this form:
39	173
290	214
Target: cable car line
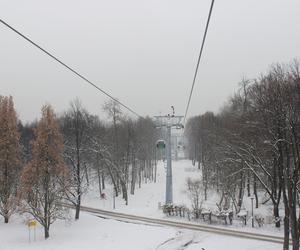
198	62
69	68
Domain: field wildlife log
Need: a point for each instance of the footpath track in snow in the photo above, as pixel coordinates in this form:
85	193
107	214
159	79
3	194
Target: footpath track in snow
182	225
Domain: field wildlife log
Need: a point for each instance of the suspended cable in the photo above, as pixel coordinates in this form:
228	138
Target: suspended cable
198	62
69	68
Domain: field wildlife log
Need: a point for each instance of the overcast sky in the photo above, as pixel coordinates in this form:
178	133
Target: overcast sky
143	52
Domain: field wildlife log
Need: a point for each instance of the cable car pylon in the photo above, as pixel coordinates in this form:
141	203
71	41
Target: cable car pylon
168	122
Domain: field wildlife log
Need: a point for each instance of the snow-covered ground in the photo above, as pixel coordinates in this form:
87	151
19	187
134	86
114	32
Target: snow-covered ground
92	232
145	200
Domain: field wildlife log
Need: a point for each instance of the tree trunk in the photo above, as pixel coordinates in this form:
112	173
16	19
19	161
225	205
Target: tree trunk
204	179
133	176
103	180
86	175
125	193
99	176
194	155
286	233
46	230
255	190
276	215
78	168
77	207
113	180
78	201
140	176
99	181
6	219
290	174
145	171
286	221
47	213
275	178
248	184
241	191
293	217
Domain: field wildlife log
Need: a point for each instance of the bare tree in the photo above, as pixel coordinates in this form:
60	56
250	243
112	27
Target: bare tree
194	189
75	129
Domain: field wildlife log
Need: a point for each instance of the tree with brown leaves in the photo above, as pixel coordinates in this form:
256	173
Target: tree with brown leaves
9	157
43	178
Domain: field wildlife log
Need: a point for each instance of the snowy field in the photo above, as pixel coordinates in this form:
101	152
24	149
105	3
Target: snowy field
92	232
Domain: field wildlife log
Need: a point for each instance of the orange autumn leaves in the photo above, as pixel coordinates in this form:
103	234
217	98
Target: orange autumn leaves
10	159
36	187
43	179
47	149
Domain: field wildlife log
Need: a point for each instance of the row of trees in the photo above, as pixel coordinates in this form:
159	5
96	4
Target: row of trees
121	151
55	159
254	143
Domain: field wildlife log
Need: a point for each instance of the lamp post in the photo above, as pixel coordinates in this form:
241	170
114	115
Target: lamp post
252	217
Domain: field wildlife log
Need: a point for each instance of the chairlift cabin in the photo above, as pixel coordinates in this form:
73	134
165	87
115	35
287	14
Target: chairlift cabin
160	144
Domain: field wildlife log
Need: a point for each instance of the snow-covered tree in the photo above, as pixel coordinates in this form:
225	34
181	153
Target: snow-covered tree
194	191
255	143
75	128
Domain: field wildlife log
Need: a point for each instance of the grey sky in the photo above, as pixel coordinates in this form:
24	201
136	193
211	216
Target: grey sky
141	51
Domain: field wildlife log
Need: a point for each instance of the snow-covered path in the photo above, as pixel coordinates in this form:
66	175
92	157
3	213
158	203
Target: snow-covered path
145	200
